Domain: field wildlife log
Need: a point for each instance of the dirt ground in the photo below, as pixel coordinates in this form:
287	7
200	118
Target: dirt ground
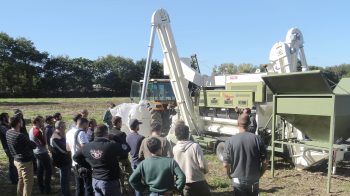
312	181
288	181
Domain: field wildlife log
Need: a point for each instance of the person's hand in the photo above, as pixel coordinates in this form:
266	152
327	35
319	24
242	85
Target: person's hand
228	169
264	166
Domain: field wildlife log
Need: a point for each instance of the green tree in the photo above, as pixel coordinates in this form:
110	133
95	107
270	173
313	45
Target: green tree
339	71
246	68
224	69
20	64
156	69
115	73
333	73
62	74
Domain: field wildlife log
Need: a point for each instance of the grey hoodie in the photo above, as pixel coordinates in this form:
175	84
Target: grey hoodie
190	158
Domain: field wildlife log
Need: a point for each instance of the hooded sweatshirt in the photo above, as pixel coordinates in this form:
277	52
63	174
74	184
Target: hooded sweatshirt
190	158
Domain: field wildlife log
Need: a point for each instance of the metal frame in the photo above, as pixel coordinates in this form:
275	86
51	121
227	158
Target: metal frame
328	146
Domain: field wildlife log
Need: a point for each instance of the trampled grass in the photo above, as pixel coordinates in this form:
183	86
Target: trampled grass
68	107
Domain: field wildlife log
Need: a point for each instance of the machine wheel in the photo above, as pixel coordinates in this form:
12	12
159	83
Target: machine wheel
166	121
156	117
220	150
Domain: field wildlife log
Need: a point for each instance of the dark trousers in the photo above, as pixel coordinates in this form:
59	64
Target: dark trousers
246	189
197	188
35	167
106	188
65	172
83	186
44	167
137	193
13	174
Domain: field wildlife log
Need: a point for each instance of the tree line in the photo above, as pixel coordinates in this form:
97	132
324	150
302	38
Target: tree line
332	73
27	72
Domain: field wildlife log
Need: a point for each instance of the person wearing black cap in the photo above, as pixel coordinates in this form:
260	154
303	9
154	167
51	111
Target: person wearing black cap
166	151
134	140
117	135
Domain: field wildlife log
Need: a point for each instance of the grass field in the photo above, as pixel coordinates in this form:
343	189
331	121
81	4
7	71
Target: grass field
288	181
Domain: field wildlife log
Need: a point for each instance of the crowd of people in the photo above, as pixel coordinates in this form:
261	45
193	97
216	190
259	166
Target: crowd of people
106	161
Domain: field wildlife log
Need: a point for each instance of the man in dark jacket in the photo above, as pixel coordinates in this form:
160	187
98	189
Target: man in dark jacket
252	122
102	155
107	116
4	127
48	130
115	134
134	140
61	158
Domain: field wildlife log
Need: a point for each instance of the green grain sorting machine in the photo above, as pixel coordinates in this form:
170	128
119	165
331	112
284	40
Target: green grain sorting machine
309	105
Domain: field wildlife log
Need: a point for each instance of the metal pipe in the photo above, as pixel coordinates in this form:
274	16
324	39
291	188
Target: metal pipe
330	151
148	64
304	65
273	136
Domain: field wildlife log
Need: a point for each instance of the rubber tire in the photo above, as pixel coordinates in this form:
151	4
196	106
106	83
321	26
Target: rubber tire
166	121
220	150
156	117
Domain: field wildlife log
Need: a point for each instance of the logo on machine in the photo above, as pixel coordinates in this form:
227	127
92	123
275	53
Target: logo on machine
96	154
233	77
228	96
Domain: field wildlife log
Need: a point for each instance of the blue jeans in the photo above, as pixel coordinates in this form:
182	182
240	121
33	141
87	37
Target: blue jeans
64	179
137	193
44	166
246	189
106	188
83	186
